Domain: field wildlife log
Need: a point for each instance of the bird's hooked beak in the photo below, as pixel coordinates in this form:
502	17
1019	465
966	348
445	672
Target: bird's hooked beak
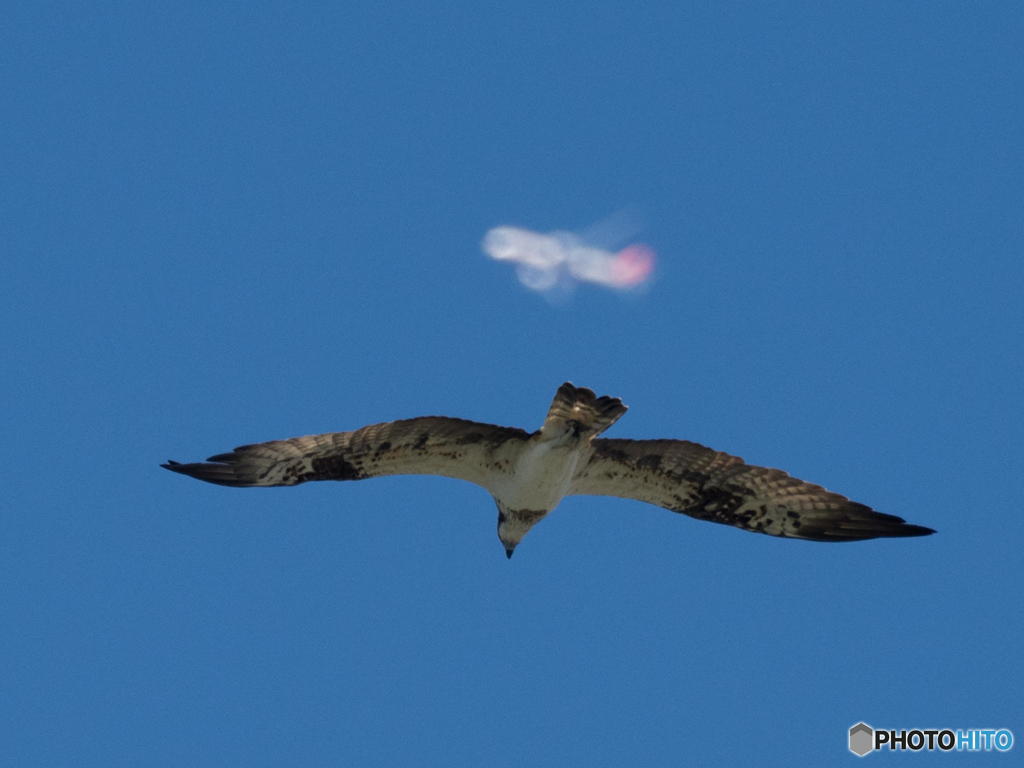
509	551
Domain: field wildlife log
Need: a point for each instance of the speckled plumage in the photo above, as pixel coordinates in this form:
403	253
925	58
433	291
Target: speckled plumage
529	473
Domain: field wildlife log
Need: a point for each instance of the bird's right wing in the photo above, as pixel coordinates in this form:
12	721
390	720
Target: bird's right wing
710	485
431	445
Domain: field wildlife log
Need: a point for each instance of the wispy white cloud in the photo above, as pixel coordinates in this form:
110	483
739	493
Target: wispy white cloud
554	261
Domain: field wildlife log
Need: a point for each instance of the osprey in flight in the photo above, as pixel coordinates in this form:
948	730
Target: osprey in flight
529	473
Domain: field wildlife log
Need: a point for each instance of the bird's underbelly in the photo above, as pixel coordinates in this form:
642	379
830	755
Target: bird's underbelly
541	478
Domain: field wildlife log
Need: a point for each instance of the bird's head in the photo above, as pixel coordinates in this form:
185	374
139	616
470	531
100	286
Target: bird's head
513	524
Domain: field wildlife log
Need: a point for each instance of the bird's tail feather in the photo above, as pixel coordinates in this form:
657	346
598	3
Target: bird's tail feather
592	414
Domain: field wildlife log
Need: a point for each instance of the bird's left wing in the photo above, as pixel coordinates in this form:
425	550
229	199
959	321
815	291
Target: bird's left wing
430	445
710	485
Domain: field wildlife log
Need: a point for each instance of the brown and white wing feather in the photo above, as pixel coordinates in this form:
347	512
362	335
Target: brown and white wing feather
710	485
431	445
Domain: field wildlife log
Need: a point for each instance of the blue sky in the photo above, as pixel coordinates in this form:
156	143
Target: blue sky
238	222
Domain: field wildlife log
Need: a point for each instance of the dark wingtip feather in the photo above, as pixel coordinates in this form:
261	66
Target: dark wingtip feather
880	524
219	474
864	526
912	530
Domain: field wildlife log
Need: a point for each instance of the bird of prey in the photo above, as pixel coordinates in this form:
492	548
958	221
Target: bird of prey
528	474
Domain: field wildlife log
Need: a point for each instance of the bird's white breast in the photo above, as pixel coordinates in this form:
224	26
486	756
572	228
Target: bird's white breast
542	476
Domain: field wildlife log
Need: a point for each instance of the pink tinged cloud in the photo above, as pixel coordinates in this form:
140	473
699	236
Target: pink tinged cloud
545	262
633	265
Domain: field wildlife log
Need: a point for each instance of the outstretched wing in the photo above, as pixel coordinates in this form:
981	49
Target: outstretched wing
709	485
431	445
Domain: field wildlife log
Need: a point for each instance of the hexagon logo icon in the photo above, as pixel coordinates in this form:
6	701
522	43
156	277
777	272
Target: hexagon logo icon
862	739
